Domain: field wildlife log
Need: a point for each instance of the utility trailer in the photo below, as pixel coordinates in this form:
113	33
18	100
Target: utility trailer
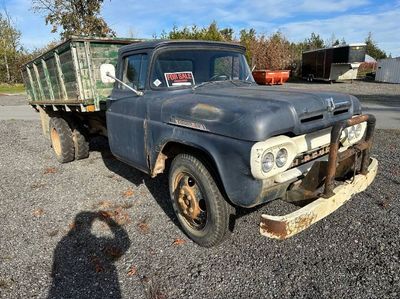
337	63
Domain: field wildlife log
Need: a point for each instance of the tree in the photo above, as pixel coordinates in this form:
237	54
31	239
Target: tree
372	48
212	32
271	52
315	41
248	39
9	49
75	17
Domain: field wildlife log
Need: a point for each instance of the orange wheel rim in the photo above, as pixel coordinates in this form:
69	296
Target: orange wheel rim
56	142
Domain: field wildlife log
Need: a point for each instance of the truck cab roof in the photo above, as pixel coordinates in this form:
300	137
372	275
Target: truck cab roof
155	44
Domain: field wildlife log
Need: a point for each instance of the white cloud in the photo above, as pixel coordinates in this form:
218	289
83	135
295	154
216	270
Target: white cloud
297	19
354	28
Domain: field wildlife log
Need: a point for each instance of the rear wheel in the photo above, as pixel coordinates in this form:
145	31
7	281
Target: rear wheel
81	143
61	140
200	207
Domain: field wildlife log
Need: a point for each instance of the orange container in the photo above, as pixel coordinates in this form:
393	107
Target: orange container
264	77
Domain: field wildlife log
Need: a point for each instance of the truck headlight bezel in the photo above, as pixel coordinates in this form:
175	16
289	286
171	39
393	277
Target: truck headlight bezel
296	146
353	134
272	147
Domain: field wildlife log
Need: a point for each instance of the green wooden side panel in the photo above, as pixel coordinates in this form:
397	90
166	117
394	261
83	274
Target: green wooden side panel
70	72
28	86
43	82
54	79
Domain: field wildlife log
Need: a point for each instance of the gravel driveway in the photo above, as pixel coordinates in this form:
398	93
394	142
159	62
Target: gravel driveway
97	228
55	243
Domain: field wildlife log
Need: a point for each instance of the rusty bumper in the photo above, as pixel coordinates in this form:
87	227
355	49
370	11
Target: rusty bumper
282	227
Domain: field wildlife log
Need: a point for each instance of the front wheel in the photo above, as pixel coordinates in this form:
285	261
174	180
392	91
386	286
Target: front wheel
200	207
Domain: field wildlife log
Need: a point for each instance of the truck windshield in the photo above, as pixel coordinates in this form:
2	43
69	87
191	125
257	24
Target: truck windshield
187	68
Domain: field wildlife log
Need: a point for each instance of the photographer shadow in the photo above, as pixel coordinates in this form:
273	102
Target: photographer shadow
83	263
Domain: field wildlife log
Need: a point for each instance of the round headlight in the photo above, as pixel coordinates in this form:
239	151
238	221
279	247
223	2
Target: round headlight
358	130
351	133
267	162
281	157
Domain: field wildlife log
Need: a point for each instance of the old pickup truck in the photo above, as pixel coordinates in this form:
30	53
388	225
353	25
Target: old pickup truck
192	109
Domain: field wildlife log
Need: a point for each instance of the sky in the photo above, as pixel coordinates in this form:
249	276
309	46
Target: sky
348	19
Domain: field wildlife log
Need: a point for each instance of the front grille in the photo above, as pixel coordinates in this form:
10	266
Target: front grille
309	156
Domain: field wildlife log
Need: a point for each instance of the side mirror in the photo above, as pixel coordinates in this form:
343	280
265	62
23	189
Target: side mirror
107	73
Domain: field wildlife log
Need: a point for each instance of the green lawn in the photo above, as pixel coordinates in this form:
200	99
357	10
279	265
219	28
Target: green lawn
16	88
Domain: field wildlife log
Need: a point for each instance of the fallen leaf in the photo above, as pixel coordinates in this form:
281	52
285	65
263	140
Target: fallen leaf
143	226
128	193
132	271
38	212
72	226
178	242
121	216
37	185
106	214
52	233
127	205
4	283
144	279
113	251
96	263
103	204
50	170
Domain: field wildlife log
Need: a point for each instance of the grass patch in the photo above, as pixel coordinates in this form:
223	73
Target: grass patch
15	88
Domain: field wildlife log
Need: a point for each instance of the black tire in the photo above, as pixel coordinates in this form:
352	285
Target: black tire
211	225
61	140
81	143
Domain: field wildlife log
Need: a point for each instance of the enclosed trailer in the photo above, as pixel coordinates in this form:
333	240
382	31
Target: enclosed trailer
333	64
388	70
68	76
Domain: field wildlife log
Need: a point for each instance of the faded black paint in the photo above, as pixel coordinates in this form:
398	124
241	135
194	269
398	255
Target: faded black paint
234	114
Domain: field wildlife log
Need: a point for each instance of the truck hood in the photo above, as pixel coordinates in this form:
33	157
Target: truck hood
255	113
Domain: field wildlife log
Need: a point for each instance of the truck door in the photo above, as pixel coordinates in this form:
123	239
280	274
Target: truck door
126	111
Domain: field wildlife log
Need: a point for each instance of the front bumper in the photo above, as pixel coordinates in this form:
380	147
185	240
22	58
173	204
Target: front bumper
282	227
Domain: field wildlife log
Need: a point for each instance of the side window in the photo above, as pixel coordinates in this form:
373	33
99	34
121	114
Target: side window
135	71
227	66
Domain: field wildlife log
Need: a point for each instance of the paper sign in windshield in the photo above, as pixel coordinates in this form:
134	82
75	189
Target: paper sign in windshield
179	79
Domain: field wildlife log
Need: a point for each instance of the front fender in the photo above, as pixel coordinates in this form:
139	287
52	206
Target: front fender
231	157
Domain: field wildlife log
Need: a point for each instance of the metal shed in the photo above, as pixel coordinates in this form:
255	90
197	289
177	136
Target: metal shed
388	70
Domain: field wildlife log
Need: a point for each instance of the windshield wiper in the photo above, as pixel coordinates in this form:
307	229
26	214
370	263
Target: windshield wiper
231	81
204	83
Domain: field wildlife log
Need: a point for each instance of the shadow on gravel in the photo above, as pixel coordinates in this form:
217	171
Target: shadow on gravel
83	265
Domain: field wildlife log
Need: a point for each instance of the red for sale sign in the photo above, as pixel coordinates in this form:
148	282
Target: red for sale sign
179	79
